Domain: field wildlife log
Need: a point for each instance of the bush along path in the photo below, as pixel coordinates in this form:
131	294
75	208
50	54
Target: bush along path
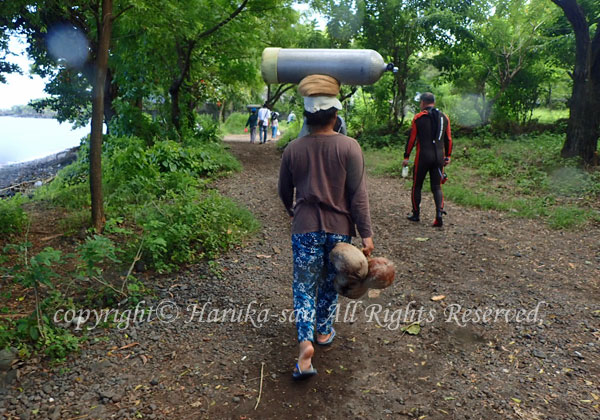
508	317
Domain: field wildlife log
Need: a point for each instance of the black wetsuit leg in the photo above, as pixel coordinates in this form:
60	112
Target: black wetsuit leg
435	181
421	168
427	165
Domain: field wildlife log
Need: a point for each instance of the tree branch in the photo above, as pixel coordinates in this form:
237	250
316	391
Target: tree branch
352	92
280	91
223	22
121	12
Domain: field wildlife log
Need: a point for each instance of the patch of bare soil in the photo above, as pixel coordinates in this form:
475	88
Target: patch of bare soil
536	355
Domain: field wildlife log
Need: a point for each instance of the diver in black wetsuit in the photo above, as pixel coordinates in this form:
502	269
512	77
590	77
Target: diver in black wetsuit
431	132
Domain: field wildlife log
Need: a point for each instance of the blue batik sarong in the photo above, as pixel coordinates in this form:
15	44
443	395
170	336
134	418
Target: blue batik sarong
315	297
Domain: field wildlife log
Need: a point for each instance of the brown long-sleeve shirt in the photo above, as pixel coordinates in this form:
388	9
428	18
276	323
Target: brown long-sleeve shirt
328	174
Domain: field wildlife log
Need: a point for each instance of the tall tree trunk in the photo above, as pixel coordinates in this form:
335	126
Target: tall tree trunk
111	91
583	128
222	111
98	218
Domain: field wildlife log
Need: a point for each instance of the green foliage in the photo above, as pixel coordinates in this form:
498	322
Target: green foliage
377	139
37	270
7	332
13	218
291	133
95	251
70	188
566	217
235	123
187	227
132	121
59	342
37	331
207	130
157	188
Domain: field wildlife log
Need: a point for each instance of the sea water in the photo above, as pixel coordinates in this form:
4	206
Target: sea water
24	139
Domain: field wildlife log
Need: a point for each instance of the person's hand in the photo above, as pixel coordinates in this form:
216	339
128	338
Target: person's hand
405	162
447	161
368	246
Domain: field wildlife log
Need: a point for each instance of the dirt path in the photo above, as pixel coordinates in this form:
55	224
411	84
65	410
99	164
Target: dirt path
548	369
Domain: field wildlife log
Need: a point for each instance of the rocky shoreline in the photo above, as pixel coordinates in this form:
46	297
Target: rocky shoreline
20	177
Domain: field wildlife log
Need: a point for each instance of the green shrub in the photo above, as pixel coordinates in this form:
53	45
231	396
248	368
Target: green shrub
291	132
235	123
70	188
132	121
184	228
37	331
566	217
13	218
374	139
206	131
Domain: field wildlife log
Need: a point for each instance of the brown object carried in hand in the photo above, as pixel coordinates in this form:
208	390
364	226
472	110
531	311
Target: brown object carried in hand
381	273
356	274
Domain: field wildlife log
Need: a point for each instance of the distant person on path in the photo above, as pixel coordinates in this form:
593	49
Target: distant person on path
326	171
274	124
431	133
252	123
264	114
291	117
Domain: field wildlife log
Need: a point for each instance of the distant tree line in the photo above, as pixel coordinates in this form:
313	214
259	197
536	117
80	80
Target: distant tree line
27	111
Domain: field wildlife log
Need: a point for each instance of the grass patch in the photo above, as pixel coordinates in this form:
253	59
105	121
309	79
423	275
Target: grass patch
548	116
13	218
235	123
520	174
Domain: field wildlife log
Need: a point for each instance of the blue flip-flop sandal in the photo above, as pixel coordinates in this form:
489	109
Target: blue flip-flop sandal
329	340
299	375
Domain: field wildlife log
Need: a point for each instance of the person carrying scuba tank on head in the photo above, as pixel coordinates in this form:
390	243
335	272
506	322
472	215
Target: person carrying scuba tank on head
430	132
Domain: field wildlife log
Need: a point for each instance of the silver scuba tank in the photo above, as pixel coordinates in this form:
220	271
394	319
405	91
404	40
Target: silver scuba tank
350	67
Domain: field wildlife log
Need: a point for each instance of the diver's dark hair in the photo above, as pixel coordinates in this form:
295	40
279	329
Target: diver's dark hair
427	98
320	118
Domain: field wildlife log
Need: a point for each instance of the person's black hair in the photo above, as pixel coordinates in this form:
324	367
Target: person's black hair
427	98
320	118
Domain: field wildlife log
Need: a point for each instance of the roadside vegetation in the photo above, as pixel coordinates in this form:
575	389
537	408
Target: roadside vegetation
521	174
161	213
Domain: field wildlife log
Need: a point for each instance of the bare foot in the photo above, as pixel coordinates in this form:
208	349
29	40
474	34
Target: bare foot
323	338
306	353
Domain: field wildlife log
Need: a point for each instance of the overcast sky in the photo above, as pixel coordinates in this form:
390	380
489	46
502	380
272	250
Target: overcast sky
20	89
